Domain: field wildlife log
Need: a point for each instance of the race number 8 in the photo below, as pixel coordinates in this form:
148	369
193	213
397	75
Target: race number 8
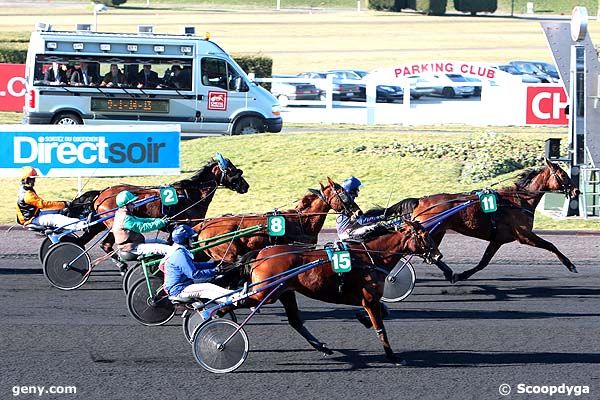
276	225
341	261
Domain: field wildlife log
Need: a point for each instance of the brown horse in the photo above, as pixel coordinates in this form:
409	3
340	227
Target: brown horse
362	286
512	221
302	224
195	195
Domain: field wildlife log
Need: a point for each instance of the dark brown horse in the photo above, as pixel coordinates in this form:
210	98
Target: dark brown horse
195	195
362	286
302	224
512	221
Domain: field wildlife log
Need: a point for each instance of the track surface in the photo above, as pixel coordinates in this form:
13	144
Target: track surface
524	319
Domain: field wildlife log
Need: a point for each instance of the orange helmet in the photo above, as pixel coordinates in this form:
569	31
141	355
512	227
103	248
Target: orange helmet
28	172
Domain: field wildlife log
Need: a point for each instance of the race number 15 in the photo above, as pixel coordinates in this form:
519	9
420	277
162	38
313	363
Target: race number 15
276	225
341	262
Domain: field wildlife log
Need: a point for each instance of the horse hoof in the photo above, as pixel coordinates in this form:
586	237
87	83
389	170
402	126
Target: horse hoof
326	351
455	278
573	270
398	362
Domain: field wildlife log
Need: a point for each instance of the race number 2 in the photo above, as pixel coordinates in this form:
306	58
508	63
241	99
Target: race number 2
489	202
276	225
168	196
341	262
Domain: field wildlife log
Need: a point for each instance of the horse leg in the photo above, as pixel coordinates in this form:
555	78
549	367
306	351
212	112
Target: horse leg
374	311
288	299
363	317
107	245
491	249
448	272
531	239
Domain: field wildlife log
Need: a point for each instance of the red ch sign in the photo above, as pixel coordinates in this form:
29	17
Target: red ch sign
12	87
546	105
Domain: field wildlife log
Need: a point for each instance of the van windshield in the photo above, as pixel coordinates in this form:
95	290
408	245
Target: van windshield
115	72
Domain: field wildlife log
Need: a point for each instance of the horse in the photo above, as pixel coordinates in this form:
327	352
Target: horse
302	223
512	221
372	260
195	194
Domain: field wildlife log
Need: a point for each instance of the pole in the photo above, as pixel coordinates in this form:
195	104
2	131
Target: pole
95	20
279	5
512	8
358	5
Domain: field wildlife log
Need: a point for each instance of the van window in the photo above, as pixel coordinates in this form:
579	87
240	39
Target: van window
125	72
219	73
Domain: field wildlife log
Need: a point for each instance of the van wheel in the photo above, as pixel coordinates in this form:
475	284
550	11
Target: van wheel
248	126
67	119
448	92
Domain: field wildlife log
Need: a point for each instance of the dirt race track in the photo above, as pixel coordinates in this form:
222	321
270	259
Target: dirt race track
525	319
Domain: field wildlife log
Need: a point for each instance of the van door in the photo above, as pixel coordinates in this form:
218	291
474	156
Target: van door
225	92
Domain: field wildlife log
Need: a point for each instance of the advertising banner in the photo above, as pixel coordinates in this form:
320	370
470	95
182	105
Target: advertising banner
546	105
12	87
74	151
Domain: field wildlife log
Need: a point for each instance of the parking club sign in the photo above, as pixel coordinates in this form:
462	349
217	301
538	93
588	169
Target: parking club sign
90	151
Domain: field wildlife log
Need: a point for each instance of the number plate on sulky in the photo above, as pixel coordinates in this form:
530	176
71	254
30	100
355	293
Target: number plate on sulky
488	202
341	261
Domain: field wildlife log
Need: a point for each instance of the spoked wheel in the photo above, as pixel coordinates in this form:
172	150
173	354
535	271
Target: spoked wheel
193	319
149	309
132	275
47	243
211	352
60	269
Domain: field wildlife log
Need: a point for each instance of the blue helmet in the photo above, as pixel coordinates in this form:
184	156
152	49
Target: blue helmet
182	234
351	184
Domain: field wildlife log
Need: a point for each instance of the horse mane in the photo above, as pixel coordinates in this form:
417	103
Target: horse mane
305	201
403	207
193	180
525	177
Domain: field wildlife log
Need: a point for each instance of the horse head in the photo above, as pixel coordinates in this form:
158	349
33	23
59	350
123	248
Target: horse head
336	197
420	242
229	175
559	181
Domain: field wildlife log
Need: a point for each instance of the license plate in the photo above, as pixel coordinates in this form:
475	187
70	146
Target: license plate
350	94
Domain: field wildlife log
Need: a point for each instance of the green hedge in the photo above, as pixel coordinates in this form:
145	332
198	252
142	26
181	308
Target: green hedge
431	7
384	5
260	65
110	3
11	55
475	6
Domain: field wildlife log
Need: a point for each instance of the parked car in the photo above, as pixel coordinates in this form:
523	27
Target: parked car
529	68
547	68
443	85
420	86
476	88
385	93
286	91
341	91
511	69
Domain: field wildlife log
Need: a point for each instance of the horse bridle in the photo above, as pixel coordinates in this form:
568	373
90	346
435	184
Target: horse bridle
429	244
343	197
224	173
565	189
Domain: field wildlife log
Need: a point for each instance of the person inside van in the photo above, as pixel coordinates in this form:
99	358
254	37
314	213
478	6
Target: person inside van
83	76
114	77
147	78
180	77
56	75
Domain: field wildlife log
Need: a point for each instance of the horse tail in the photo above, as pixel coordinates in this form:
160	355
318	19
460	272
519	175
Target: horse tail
403	207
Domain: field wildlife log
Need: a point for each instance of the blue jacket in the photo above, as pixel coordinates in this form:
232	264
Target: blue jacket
182	271
344	222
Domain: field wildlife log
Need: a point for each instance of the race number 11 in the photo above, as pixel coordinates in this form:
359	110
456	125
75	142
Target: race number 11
276	225
489	203
341	262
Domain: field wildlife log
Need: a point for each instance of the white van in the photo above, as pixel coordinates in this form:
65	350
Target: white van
84	77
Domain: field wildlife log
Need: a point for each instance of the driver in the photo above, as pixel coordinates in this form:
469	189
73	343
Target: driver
351	225
187	279
32	209
128	229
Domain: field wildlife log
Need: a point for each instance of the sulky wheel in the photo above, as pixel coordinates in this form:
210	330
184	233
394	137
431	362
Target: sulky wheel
400	282
149	309
64	268
193	319
47	243
132	275
211	351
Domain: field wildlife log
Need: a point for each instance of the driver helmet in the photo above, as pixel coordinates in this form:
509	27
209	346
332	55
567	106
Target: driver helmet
125	197
352	185
28	172
182	234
